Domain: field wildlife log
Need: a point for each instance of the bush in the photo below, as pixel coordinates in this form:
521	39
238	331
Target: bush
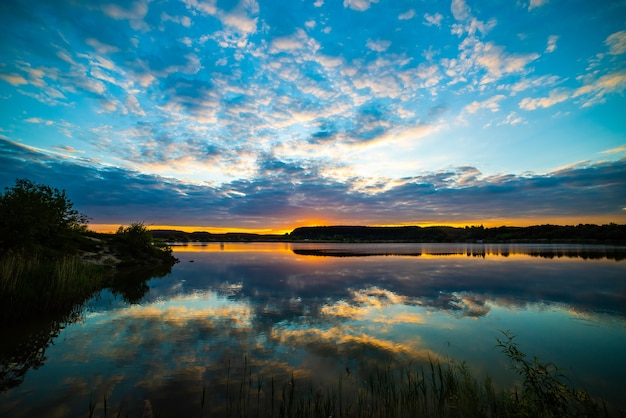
135	243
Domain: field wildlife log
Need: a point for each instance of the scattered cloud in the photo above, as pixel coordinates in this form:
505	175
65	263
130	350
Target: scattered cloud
434	19
359	5
536	3
408	15
13	79
556	96
512	119
596	90
551	47
616	43
378	45
460	10
615	150
493	104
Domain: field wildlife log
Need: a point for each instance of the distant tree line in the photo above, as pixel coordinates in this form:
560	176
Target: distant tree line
583	233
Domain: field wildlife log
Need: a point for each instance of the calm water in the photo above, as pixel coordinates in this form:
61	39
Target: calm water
315	310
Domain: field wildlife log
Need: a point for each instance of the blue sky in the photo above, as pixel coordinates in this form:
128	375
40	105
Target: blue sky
266	115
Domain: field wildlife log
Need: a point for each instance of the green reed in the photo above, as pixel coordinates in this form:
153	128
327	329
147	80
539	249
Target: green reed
31	284
436	388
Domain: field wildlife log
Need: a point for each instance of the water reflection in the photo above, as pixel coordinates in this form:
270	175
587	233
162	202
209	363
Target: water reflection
288	309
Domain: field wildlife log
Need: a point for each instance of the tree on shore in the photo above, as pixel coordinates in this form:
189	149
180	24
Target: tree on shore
36	215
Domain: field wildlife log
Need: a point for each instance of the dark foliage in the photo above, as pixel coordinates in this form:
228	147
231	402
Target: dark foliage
35	216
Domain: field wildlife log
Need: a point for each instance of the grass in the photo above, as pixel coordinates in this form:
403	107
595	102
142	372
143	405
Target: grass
433	389
33	284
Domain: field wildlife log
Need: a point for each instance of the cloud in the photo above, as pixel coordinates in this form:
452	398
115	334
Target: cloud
535	82
615	150
182	20
408	15
512	119
536	3
497	62
492	104
551	47
39	121
378	45
359	5
460	10
433	20
282	192
135	14
596	90
242	18
13	79
616	43
555	96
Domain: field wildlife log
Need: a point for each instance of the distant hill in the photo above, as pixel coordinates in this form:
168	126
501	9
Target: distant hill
583	233
605	234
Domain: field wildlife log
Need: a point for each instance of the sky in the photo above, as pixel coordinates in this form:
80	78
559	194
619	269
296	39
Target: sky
263	116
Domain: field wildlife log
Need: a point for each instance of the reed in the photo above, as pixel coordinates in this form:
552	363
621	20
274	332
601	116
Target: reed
433	389
31	284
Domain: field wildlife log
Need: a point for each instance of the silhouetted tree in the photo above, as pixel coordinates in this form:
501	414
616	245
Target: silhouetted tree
36	215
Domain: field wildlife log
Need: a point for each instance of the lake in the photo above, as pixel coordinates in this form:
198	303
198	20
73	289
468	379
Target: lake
322	312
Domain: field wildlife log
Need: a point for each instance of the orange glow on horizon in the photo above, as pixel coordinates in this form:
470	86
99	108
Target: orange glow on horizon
284	229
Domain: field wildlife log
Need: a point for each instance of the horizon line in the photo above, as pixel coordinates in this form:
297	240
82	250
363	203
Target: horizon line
112	228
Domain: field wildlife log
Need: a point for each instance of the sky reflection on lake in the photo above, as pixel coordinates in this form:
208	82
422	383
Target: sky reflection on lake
316	315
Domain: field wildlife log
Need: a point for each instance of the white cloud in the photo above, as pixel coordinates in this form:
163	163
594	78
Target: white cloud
615	151
551	47
605	85
310	24
359	5
555	96
493	104
433	20
616	43
183	20
135	14
460	10
101	48
13	79
318	3
133	105
378	45
298	41
39	121
497	62
209	7
536	3
407	15
528	83
512	119
240	18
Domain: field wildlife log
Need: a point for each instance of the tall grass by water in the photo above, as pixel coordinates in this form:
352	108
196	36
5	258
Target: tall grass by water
33	283
436	388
